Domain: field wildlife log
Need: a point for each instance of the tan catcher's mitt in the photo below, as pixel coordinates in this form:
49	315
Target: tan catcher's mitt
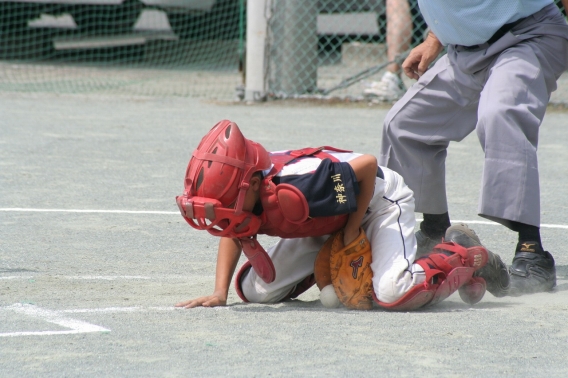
348	269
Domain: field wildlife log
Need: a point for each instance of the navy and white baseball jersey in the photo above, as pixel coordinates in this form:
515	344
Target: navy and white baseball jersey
330	187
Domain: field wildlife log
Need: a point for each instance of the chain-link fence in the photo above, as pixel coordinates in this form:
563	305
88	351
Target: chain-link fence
146	47
340	48
360	47
354	38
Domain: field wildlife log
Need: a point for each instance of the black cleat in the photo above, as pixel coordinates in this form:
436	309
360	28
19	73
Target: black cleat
425	244
495	272
532	271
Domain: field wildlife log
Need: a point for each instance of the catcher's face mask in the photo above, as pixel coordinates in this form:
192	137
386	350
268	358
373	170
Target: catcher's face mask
217	179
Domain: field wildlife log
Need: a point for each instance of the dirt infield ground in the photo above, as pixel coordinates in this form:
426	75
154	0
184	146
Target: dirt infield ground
93	254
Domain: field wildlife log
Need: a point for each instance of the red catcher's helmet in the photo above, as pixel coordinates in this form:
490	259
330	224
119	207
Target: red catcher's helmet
223	164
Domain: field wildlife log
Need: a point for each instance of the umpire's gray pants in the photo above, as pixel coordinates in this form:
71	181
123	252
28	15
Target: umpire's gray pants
502	92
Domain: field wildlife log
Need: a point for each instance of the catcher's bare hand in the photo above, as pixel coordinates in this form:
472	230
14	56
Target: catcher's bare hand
421	56
350	234
212	300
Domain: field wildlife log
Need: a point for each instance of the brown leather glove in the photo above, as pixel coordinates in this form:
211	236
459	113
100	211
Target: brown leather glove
348	269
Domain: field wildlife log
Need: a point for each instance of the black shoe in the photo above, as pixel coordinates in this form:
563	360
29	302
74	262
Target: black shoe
495	272
425	244
532	271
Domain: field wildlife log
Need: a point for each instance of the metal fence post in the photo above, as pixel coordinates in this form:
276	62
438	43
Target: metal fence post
294	47
255	86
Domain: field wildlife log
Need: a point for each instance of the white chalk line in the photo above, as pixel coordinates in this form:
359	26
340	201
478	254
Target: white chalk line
19	209
148	212
94	278
107	278
489	223
76	326
17	278
91	278
113	310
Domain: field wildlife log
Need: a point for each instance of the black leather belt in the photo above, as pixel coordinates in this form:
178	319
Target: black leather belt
498	34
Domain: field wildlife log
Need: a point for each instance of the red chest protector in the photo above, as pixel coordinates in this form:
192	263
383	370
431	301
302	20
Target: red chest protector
286	213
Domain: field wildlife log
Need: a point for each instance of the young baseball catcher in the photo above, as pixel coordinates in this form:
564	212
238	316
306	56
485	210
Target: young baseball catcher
343	222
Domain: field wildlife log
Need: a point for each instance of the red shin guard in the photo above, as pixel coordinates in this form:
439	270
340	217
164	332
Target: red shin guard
448	268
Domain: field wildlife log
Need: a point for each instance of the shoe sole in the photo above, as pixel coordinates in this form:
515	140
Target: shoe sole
494	285
464	229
